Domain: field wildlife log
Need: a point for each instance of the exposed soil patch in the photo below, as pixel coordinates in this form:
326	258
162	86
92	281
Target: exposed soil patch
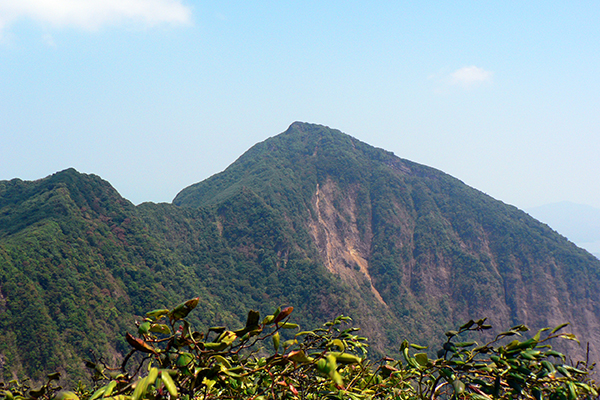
335	230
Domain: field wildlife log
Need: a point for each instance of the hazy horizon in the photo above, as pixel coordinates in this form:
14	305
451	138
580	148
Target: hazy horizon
156	95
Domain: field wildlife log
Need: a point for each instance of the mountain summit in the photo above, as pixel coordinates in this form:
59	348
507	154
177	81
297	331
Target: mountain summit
312	218
432	251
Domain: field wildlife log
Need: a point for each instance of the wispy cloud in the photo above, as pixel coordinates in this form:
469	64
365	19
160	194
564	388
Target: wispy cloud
470	76
92	14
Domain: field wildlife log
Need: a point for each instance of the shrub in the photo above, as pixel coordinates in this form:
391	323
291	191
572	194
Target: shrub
272	359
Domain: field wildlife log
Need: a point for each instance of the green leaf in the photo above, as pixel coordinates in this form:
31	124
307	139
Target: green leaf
223	361
332	370
253	319
337	378
209	383
539	334
182	310
109	388
217	329
227	337
531	354
144	328
459	387
160	328
507	333
140	389
548	366
276	340
467	325
519	328
422	359
66	395
299	356
563	371
346	358
587	388
555	354
152	375
98	393
215	346
558	328
155	315
169	384
338	343
447	373
322	365
252	323
574	370
529	343
184	359
572	391
305	333
569	336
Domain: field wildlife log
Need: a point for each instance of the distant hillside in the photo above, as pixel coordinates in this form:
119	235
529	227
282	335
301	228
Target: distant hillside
311	218
578	222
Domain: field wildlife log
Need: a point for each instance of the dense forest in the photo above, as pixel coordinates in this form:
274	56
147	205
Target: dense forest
311	218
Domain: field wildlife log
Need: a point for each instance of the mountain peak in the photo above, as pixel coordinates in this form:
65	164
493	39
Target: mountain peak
315	131
308	127
68	191
302	155
299	125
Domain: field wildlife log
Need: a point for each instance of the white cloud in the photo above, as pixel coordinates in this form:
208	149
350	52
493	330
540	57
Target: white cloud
92	14
470	76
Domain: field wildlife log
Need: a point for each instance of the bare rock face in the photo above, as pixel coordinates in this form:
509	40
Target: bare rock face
342	247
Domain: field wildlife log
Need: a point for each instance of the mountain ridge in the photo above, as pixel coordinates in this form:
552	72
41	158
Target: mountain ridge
311	218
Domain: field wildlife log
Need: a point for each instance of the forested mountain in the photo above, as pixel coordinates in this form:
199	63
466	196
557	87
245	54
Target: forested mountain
311	218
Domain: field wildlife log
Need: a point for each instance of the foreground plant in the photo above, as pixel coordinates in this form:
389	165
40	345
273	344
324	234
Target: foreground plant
272	359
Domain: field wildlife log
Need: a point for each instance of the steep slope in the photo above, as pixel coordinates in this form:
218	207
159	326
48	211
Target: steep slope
432	251
311	218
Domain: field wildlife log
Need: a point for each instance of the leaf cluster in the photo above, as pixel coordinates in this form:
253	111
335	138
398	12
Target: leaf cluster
270	358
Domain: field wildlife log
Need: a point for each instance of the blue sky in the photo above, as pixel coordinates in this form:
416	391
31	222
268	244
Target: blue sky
154	95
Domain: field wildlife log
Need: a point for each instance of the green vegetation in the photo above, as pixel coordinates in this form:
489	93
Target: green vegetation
260	361
311	217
